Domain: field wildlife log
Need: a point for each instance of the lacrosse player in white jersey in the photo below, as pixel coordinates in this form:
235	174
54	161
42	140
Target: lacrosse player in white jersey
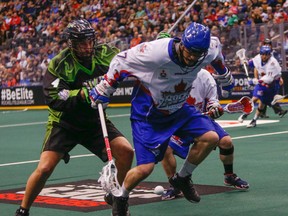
205	98
165	70
268	73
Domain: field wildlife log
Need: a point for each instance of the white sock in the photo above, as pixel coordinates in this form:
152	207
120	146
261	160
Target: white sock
125	192
186	169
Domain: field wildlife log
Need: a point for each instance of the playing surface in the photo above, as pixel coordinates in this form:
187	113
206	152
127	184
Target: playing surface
261	157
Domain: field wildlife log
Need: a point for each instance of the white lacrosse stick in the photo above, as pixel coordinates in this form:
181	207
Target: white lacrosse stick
108	175
244	105
242	56
277	98
181	17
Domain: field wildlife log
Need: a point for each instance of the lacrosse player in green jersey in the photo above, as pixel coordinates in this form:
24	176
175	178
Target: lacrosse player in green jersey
73	119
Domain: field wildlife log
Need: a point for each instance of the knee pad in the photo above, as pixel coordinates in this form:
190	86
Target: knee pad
226	151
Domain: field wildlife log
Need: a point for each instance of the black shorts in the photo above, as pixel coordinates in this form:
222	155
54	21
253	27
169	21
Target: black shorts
63	140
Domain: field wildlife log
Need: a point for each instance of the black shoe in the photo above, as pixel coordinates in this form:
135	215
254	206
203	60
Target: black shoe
108	198
282	113
263	116
22	212
251	124
185	185
120	206
242	118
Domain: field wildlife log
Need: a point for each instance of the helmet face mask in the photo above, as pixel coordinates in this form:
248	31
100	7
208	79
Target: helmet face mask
82	49
81	39
191	58
195	43
265	52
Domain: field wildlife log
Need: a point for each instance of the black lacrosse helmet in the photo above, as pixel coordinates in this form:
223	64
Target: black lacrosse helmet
267	41
80	32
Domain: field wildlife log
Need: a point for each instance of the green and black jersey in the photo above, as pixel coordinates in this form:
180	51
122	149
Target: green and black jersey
63	82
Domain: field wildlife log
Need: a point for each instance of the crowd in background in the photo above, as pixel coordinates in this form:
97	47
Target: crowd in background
31	31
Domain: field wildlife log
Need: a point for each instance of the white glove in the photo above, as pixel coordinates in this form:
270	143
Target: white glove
64	94
224	93
225	79
253	81
215	110
101	94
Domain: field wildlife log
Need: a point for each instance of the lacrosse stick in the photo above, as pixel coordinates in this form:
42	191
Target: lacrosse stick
108	178
244	105
277	98
181	17
241	55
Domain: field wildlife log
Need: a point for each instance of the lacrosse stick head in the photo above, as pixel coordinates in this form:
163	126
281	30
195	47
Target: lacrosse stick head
247	104
241	54
244	105
277	98
108	179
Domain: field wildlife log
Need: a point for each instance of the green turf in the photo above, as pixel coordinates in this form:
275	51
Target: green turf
260	160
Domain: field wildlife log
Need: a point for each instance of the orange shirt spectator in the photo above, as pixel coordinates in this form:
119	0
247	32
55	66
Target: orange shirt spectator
136	40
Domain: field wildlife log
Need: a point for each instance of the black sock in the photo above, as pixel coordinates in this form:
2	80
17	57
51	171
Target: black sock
228	168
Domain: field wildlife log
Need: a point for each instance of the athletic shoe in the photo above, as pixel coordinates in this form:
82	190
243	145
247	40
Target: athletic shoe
22	212
235	181
282	113
120	206
108	198
242	118
185	185
252	124
263	115
171	193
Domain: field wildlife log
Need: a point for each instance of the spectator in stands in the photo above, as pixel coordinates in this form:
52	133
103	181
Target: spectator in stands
136	39
44	20
21	53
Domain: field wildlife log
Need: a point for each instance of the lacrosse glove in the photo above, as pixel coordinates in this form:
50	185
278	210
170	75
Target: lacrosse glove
101	94
215	110
226	81
163	35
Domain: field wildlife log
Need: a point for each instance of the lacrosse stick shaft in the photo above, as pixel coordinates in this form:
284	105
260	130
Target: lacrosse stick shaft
104	131
246	70
181	17
241	55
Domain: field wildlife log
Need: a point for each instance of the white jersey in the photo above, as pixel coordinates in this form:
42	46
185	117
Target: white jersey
204	91
163	86
268	72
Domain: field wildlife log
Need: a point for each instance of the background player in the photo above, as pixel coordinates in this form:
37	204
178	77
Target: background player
276	55
204	97
268	73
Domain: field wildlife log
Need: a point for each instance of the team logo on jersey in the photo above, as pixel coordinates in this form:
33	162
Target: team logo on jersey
68	69
55	83
142	48
175	98
163	75
177	140
88	196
